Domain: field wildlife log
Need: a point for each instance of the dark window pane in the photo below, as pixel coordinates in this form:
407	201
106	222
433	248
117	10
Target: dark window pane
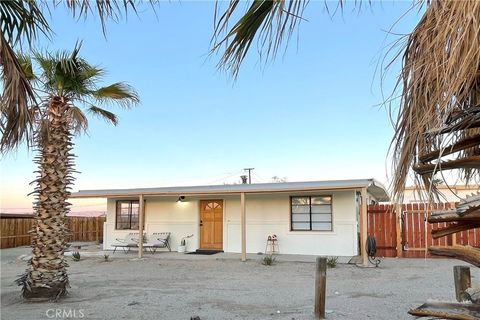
123	226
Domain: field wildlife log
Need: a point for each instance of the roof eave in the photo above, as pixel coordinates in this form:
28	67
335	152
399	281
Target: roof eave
93	194
376	189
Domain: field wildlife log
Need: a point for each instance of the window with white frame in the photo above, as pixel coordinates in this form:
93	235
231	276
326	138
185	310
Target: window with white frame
311	213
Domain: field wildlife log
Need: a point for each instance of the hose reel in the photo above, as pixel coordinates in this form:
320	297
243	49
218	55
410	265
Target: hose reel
371	250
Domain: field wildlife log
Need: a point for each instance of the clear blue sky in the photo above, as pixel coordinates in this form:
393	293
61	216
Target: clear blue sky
312	114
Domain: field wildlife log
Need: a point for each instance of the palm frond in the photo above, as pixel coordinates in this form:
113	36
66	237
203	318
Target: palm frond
119	92
22	19
18	20
92	73
105	114
16	122
270	21
440	77
66	74
77	120
106	10
25	62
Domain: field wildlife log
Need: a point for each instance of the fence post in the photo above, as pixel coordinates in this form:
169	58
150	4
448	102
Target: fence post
320	287
15	228
96	229
461	277
398	229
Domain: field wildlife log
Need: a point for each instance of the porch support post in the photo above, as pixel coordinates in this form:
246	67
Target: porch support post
364	229
243	226
141	213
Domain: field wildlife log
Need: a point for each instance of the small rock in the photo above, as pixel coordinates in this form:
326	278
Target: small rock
328	311
195	318
133	303
278	311
337	293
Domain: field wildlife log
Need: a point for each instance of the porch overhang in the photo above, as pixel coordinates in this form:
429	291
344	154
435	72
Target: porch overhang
373	187
361	185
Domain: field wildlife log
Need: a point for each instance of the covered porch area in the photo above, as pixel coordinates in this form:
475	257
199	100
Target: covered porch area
238	218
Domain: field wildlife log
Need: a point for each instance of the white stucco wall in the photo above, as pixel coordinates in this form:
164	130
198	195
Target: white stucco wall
266	214
270	214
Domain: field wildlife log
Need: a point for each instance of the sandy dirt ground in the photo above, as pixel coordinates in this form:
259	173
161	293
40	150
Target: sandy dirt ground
176	286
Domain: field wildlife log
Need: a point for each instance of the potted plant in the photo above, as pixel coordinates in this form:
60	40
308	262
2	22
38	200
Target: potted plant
183	244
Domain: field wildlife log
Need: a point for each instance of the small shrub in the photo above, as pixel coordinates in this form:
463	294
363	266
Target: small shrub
106	256
76	256
268	260
332	262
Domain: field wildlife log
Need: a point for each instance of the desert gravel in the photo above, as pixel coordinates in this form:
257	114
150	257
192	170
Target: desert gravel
175	286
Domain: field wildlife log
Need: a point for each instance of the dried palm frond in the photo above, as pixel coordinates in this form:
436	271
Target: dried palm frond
20	20
440	81
15	118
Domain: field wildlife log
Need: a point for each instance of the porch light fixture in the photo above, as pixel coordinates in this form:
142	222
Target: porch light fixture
181	199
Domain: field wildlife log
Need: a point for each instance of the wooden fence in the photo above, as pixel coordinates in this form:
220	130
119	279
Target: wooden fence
14	230
381	224
415	231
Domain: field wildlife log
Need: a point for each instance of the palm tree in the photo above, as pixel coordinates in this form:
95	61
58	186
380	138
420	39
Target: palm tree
69	86
439	79
21	23
48	123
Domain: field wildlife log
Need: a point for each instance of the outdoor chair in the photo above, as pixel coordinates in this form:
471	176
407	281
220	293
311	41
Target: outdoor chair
130	241
158	240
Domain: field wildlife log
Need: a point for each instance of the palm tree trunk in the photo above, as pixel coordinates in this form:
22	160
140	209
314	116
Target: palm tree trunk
46	277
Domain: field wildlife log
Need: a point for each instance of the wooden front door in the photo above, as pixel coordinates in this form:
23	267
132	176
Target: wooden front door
211	224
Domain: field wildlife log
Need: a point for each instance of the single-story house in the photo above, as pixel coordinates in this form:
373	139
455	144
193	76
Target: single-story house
311	218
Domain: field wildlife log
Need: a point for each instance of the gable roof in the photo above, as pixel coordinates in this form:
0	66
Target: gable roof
373	187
